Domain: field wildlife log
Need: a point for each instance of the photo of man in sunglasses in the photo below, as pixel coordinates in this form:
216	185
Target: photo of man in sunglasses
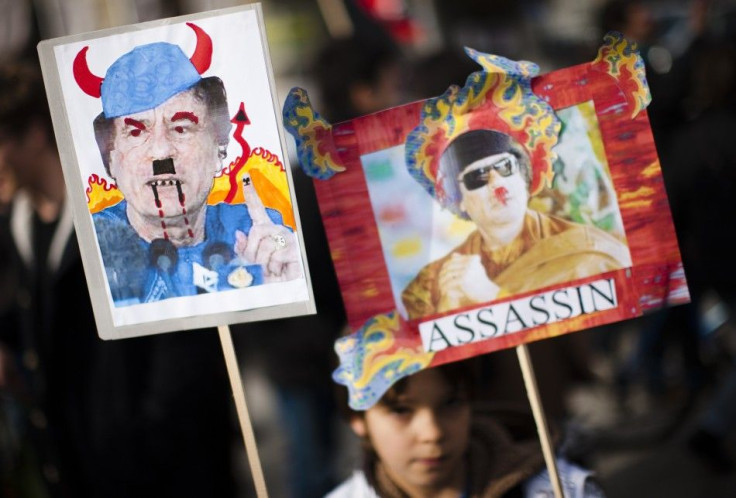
514	248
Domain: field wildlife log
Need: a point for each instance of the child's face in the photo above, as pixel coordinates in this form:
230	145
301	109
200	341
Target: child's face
421	437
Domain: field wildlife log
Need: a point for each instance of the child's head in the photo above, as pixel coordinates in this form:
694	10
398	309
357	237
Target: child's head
412	417
419	430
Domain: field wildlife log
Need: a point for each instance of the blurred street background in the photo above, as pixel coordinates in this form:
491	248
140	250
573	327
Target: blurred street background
650	404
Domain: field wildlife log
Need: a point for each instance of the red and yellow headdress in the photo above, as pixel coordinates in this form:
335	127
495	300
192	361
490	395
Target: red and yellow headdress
497	98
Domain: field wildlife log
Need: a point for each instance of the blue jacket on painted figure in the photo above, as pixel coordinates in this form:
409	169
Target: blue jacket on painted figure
141	272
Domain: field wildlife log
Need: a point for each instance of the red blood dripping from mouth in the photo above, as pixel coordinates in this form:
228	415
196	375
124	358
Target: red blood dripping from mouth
501	194
155	197
157	203
182	199
184	209
180	192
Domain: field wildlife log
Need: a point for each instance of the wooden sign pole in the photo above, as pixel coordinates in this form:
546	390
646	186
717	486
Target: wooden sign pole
246	427
530	381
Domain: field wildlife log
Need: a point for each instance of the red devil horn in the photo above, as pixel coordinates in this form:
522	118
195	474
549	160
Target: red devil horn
202	56
88	82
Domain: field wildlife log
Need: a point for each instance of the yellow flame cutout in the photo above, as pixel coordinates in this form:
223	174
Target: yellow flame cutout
100	194
380	354
265	169
313	135
620	58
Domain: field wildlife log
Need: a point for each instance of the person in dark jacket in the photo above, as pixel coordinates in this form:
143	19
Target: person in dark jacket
141	417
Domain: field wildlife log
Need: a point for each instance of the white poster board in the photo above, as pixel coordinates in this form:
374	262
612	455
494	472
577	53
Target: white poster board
182	199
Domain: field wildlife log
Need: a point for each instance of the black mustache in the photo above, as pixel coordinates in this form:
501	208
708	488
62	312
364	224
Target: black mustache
164	166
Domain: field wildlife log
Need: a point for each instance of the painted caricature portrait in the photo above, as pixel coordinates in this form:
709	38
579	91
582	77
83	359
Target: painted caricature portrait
512	248
176	168
162	135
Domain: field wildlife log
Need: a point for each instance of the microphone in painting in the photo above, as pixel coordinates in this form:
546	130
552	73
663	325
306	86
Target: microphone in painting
163	257
217	255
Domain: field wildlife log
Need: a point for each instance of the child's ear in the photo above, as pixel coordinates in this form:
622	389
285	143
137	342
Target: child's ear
357	423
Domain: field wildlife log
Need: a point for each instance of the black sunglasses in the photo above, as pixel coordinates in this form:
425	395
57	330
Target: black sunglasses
477	178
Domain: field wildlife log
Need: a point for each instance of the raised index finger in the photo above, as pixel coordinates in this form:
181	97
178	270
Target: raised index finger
253	203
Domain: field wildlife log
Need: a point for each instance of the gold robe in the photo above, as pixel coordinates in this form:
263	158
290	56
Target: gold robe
548	251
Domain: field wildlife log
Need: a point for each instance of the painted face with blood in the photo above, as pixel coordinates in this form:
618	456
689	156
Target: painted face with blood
164	161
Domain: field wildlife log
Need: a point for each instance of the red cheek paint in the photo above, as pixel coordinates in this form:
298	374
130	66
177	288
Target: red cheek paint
501	194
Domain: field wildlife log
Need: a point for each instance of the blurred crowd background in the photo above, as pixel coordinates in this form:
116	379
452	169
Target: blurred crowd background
649	404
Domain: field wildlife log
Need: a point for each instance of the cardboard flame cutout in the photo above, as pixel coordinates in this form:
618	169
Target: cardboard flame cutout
313	135
372	360
619	58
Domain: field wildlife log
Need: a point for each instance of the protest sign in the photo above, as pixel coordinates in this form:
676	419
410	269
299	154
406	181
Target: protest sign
175	167
515	208
182	196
